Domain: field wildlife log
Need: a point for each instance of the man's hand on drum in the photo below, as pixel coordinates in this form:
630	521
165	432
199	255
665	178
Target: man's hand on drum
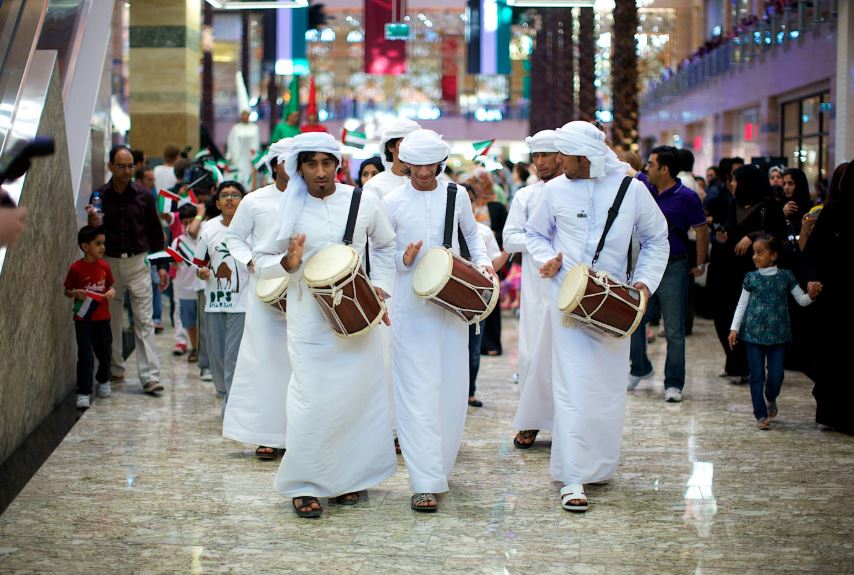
642	287
491	271
411	252
204	273
293	259
551	267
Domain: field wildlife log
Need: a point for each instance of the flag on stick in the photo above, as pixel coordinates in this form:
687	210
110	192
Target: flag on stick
185	251
215	172
482	148
83	309
202	153
355	139
258	161
167	202
188	197
166	254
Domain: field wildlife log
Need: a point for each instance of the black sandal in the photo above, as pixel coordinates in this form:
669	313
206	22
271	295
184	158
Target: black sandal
526	434
306	505
423	498
266	455
346	498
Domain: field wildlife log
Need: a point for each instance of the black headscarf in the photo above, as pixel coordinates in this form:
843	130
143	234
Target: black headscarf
374	161
752	185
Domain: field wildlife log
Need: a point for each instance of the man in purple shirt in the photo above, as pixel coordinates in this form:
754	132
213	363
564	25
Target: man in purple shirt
682	209
132	230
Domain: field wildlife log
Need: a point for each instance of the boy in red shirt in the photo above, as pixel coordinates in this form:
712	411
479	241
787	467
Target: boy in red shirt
90	283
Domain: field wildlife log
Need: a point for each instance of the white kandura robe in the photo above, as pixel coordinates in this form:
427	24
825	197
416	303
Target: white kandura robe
244	142
429	344
339	435
256	403
385	183
590	370
536	403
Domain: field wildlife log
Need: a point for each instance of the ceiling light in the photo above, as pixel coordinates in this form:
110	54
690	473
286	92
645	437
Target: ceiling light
551	3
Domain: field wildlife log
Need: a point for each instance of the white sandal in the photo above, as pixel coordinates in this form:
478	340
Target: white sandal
572	492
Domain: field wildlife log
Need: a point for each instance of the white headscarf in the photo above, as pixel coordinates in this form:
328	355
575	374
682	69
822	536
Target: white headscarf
400	129
293	199
584	139
277	150
542	141
424	147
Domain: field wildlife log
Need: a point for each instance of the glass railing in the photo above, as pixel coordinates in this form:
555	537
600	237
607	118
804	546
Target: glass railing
743	46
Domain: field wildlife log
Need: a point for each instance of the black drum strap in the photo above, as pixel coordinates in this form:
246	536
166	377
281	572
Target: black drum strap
355	201
447	239
351	217
612	215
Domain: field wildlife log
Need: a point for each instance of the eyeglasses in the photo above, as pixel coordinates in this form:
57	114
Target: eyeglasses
231	196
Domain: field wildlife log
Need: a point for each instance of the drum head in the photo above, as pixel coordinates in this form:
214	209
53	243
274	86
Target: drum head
573	288
432	272
330	264
269	290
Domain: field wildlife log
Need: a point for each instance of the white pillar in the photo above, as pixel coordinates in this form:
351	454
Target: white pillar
844	120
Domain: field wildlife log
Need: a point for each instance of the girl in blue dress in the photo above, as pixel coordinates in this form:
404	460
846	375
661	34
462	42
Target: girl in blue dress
761	321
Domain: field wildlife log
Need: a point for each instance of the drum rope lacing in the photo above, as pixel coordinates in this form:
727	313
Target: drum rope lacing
601	279
336	293
481	292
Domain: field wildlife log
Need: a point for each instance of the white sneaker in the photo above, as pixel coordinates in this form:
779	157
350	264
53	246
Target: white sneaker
82	401
205	375
673	395
104	389
634	380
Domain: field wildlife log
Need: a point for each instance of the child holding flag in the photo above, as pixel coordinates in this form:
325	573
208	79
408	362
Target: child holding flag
90	283
186	284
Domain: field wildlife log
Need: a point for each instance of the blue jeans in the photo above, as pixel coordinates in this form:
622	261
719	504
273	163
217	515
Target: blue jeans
672	298
762	387
474	355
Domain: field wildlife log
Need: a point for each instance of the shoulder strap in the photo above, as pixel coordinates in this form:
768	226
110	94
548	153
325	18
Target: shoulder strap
351	218
612	215
447	239
464	247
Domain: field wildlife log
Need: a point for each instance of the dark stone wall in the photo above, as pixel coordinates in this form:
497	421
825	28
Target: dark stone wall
37	348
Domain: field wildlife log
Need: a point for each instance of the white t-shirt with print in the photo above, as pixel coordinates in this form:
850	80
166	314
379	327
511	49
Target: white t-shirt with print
227	290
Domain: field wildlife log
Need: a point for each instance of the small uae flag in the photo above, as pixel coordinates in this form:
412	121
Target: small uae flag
167	202
482	148
185	251
258	163
187	197
167	254
83	309
202	153
355	139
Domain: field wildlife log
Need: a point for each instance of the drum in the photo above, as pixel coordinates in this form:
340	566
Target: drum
455	285
273	292
600	303
345	295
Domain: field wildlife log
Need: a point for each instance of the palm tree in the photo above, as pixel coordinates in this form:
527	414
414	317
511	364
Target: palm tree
552	71
586	65
624	76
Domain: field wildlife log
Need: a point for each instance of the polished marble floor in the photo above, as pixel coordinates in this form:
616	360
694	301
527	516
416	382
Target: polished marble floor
147	485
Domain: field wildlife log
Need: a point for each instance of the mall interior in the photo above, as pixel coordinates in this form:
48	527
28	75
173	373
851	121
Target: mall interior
142	476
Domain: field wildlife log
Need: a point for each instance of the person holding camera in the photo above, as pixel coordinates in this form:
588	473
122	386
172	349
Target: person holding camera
132	229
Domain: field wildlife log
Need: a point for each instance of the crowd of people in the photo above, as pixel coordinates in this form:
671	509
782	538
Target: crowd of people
731	247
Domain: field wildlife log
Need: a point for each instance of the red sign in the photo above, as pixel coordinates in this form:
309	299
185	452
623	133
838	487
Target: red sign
450	46
383	56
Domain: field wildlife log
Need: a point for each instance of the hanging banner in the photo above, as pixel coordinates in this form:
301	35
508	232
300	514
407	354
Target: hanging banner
383	56
488	36
291	26
450	45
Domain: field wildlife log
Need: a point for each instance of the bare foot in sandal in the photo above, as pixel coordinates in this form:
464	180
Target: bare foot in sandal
307	506
348	498
525	438
424	502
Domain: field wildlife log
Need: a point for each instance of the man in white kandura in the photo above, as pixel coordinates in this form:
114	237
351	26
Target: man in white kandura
535	411
338	431
393	177
244	141
256	403
429	345
590	369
